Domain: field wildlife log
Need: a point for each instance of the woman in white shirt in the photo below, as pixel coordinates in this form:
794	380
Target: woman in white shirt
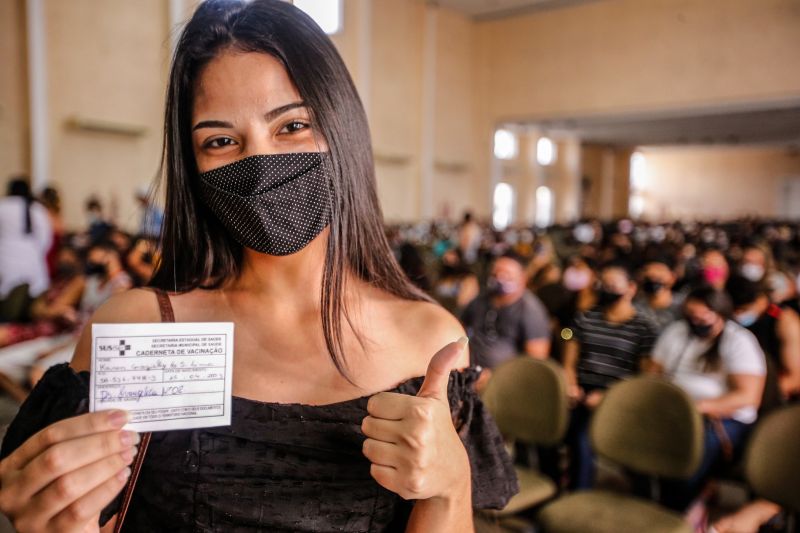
722	368
25	238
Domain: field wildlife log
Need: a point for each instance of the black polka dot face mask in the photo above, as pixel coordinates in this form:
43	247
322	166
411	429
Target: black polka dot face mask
275	204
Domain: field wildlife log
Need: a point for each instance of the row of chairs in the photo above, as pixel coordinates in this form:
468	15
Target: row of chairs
645	425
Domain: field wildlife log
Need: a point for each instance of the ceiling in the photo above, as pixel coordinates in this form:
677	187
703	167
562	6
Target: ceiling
780	125
502	8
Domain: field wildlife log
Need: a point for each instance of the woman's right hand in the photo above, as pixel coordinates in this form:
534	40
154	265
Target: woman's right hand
61	478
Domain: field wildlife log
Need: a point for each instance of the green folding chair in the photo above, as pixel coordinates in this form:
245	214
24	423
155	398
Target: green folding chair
651	427
772	460
528	399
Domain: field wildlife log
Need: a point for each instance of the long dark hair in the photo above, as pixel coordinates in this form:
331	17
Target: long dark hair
357	242
19	187
720	303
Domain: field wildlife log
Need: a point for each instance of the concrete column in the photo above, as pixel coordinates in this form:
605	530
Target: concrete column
530	178
428	132
567	188
37	84
607	181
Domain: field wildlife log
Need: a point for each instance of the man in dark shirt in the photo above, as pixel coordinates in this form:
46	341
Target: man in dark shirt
506	320
610	343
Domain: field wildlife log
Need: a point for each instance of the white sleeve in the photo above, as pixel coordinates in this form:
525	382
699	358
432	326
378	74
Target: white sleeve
742	354
664	348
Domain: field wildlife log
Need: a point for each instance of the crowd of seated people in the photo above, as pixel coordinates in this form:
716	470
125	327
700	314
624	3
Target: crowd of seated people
712	307
53	280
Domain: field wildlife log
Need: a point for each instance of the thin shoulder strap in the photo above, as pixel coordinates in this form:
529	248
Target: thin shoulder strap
167	315
164	305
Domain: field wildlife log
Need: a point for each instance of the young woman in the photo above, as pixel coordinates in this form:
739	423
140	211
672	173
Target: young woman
721	366
272	222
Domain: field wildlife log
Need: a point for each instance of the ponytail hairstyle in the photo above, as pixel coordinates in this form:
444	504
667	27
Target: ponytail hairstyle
19	187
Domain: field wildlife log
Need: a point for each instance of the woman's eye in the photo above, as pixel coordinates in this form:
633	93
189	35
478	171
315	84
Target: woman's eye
294	126
219	142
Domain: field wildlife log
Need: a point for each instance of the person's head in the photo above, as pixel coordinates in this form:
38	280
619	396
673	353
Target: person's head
452	257
706	310
715	269
262	79
507	275
756	262
51	199
781	286
19	186
750	299
68	263
467	217
93	206
549	274
102	259
121	240
617	286
579	274
452	264
657	277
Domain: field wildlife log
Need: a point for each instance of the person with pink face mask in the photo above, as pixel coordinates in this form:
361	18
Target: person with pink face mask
506	319
714	269
580	278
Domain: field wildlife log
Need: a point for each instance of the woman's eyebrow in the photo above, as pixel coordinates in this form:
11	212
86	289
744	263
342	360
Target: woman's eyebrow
212	124
278	111
269	117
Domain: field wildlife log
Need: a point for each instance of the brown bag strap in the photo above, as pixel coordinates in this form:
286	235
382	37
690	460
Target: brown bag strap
167	315
724	440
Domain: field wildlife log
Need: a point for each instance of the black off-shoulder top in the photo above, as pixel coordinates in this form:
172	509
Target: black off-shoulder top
277	467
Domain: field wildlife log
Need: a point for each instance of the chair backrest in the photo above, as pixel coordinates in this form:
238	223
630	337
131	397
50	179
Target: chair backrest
14	307
772	461
649	426
528	399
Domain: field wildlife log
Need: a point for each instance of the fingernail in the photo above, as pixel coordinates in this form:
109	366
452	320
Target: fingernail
124	474
463	341
128	455
129	438
118	419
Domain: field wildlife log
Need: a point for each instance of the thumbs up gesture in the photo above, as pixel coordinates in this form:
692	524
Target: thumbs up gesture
411	441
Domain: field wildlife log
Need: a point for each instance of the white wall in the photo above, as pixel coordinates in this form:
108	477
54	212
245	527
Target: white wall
717	182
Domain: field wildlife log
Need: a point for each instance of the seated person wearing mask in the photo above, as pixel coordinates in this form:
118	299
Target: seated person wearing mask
778	333
721	367
506	320
610	342
656	301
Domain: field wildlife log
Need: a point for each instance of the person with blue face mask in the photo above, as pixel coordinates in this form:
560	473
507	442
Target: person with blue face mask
778	332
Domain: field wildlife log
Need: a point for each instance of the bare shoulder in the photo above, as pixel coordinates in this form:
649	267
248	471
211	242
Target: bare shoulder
133	306
426	328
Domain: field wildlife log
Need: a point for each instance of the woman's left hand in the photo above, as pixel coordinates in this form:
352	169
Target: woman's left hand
411	440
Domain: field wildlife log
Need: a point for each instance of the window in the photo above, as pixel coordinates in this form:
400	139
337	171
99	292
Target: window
505	144
503	205
544	206
638	171
545	151
638	182
326	13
